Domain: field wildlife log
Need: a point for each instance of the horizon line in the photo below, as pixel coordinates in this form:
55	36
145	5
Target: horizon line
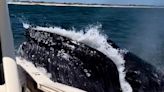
84	4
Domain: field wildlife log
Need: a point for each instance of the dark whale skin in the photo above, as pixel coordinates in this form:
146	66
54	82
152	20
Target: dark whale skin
86	68
142	76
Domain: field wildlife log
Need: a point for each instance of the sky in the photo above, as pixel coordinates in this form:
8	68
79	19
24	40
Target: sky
142	2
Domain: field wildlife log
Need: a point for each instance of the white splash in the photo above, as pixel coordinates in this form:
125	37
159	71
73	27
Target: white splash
44	71
41	69
94	39
26	26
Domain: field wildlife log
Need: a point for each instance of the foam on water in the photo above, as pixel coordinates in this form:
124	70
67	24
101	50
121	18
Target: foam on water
92	37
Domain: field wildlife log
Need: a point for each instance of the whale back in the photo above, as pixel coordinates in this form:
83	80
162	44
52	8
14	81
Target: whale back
71	62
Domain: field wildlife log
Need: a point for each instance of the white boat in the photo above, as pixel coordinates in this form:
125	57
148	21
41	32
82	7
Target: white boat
21	76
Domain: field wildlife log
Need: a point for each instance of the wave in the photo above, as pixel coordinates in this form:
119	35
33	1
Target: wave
92	37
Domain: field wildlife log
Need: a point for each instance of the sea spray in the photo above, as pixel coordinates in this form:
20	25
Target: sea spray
41	69
92	37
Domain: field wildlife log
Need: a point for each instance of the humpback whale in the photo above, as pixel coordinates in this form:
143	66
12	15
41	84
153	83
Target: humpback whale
71	62
79	65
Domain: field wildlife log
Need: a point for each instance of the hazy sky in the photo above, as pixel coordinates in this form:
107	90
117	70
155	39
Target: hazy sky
148	2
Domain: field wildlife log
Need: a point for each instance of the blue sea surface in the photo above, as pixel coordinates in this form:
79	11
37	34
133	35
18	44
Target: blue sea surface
139	30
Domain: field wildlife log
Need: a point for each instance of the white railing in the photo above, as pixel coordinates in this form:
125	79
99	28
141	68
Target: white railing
8	59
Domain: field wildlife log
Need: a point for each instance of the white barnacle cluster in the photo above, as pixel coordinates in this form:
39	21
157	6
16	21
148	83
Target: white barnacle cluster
87	73
62	54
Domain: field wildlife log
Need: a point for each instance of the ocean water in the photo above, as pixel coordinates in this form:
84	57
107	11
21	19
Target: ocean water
140	31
